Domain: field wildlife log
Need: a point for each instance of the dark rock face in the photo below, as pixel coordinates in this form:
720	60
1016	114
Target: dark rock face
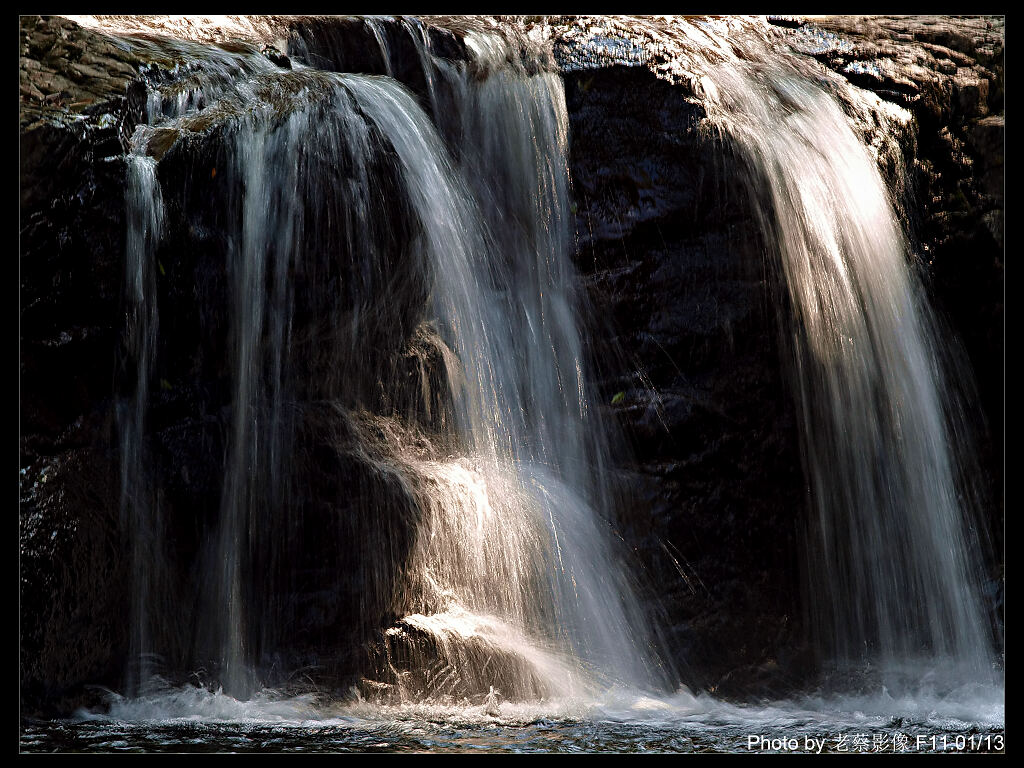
327	580
684	330
673	260
73	582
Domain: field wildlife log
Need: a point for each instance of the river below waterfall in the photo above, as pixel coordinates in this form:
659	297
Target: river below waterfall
192	719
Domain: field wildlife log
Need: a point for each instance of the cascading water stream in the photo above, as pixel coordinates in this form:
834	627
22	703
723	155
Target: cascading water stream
140	504
139	496
511	576
509	536
895	559
280	162
140	512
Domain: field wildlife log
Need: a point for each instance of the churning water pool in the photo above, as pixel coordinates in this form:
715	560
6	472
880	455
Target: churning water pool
192	719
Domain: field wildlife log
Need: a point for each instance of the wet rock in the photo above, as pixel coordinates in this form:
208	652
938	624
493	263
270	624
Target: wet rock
277	57
326	566
66	69
971	93
673	260
986	139
74	580
446	666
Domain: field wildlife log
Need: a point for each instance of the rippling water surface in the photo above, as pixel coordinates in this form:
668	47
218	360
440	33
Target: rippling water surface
196	720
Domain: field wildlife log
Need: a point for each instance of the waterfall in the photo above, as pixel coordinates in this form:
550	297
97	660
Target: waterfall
140	512
397	264
894	557
141	515
506	554
308	205
355	228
